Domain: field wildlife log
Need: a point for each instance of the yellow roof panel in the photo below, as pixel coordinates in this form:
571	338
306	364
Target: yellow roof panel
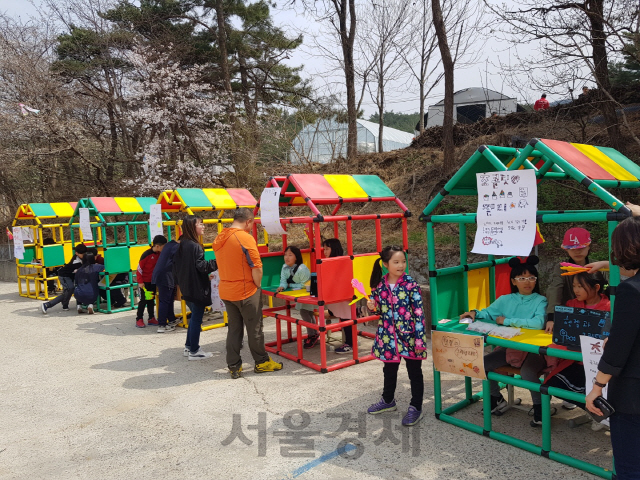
605	162
62	209
129	205
219	198
346	186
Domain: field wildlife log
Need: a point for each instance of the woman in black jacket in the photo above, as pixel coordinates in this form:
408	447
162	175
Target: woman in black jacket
620	362
191	272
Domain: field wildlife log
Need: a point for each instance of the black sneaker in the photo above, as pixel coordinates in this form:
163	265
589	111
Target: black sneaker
537	415
311	341
497	404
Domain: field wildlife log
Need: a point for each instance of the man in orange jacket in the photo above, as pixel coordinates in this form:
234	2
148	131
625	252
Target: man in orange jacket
240	270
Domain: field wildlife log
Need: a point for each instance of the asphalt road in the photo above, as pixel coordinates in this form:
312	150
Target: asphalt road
93	397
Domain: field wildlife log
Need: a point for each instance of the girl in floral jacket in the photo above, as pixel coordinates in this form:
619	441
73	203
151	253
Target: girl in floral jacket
401	331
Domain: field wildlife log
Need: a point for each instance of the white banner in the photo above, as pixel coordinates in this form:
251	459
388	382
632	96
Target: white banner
155	220
506	216
592	349
217	304
18	243
270	212
85	224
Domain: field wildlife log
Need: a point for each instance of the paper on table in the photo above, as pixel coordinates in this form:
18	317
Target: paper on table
85	224
270	212
592	349
18	244
506	215
155	220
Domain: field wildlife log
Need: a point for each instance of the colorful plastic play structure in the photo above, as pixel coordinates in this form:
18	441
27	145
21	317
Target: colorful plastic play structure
331	192
50	248
212	204
458	289
121	233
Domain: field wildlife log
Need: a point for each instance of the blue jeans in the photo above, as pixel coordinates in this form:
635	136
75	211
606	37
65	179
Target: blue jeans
624	428
165	305
67	292
195	325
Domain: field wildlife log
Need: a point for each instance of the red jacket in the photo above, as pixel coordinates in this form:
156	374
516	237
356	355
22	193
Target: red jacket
147	263
541	104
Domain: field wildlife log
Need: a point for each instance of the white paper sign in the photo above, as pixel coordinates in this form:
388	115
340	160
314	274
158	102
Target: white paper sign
592	349
18	244
85	224
155	220
506	216
27	235
217	304
270	212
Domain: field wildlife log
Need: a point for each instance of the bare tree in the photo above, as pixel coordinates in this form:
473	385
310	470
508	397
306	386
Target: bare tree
457	24
575	40
383	25
340	16
55	136
419	50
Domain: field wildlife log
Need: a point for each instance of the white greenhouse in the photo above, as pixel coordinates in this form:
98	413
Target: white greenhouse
325	140
471	105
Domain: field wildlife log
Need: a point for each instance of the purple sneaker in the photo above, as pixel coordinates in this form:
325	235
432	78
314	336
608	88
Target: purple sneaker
412	417
382	407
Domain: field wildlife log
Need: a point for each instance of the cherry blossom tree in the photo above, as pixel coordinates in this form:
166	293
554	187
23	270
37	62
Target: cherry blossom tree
180	120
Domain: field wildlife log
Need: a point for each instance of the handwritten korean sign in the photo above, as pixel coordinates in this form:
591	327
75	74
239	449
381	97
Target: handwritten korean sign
506	215
458	353
592	349
269	211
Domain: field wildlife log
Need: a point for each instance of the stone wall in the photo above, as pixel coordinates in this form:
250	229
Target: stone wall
8	272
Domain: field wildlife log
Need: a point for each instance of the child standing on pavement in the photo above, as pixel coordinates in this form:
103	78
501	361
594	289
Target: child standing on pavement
147	289
163	279
397	298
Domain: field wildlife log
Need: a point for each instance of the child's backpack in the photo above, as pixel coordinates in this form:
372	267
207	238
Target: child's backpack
86	279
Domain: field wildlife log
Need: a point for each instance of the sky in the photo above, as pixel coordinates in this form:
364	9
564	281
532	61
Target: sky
400	97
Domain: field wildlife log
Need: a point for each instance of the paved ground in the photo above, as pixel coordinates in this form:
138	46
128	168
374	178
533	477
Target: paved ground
92	397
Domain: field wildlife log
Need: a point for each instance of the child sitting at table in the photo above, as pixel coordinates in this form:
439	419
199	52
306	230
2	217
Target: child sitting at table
590	292
294	275
576	244
332	248
524	308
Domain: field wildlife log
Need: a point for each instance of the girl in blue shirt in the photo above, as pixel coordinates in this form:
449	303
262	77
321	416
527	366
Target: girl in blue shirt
293	276
524	308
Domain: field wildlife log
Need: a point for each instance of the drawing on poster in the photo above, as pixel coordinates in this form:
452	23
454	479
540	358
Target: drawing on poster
85	224
27	235
458	353
155	220
270	212
18	243
591	353
506	228
217	305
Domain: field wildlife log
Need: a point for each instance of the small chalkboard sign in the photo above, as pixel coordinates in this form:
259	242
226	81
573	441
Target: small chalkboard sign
570	323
